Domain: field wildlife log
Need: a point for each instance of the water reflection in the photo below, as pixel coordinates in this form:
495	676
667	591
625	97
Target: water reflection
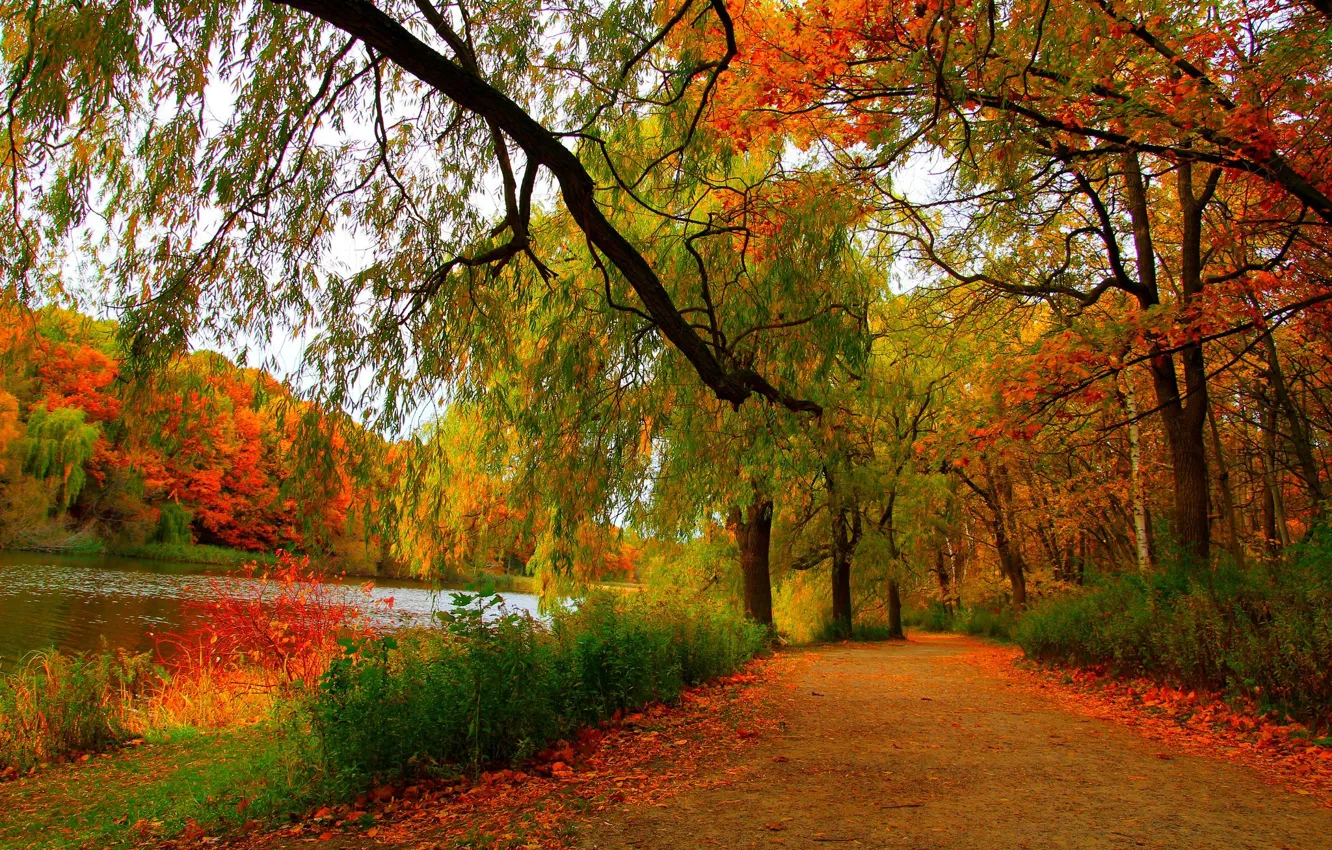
84	603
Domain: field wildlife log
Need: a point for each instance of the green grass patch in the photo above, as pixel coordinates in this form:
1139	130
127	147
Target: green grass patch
216	780
193	553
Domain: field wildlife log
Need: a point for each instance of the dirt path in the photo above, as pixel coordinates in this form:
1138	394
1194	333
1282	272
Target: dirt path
908	746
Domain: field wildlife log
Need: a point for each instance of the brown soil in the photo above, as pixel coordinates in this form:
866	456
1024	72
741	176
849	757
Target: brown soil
905	746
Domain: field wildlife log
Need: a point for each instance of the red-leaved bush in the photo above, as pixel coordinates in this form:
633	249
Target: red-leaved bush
278	623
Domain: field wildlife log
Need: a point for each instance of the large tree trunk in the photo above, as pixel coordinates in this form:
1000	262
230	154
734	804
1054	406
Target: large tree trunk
1188	459
894	610
844	517
753	534
1183	414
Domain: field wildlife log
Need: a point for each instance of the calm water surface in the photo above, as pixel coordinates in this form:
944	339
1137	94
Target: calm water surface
82	603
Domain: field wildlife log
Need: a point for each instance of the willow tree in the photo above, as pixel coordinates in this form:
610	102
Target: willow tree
869	510
365	176
591	427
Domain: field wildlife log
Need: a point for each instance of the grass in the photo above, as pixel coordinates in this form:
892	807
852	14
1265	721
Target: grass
57	704
159	787
508	582
193	553
866	632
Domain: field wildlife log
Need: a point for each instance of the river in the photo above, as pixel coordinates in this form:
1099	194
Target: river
89	602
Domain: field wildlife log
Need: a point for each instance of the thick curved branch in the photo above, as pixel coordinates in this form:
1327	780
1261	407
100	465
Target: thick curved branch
370	24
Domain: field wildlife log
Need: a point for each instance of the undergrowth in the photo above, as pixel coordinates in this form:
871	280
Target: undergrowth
193	553
496	686
325	708
56	704
997	624
1263	632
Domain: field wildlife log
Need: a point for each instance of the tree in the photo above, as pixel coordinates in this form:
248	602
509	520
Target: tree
1109	126
58	444
351	120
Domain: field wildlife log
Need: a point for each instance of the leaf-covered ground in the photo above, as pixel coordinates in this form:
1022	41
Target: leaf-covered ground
1280	749
944	742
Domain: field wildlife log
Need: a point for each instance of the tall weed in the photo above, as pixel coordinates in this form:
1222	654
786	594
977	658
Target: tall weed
58	704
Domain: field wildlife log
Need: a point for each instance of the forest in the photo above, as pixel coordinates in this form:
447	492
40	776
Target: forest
746	326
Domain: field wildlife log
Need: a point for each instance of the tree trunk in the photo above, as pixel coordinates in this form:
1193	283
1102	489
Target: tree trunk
894	610
841	574
1227	498
1010	560
1182	414
754	536
1279	535
1299	432
1143	545
945	583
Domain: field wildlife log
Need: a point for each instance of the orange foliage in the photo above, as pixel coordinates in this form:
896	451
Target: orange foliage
218	440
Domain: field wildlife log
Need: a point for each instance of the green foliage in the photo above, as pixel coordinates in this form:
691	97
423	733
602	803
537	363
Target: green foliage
57	704
496	686
996	623
59	443
193	553
984	622
932	618
1266	634
173	525
867	632
219	781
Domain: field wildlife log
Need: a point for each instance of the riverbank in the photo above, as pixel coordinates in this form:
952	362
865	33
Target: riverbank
231	559
407	709
896	744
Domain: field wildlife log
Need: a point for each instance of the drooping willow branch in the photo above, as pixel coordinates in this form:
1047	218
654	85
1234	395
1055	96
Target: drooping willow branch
543	149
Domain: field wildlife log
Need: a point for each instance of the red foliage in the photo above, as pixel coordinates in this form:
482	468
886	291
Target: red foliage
282	622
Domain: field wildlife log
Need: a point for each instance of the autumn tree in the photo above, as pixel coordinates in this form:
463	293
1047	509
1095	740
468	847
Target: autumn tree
1134	148
374	124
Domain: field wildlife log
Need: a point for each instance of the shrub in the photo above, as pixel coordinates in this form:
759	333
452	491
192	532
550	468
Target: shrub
1264	633
933	618
280	625
495	685
58	704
